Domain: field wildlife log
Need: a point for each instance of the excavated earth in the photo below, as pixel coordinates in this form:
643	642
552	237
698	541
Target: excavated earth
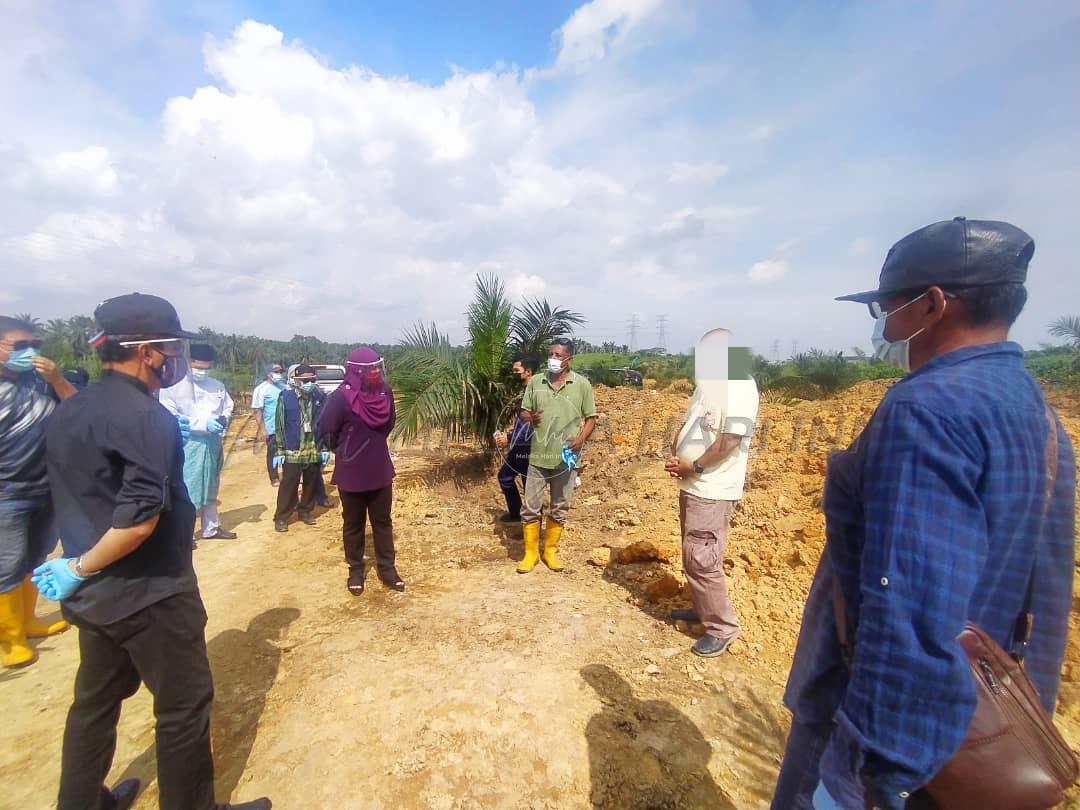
479	687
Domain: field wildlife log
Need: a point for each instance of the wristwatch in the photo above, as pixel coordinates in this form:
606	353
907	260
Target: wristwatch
698	469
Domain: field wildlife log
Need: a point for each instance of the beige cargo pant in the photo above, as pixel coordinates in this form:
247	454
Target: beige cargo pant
561	482
704	537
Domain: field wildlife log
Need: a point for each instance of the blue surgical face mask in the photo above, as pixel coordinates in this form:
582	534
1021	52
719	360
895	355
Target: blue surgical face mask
894	352
200	373
21	361
307	387
277	379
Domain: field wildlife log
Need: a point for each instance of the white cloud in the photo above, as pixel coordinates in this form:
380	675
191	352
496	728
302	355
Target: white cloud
706	172
595	27
763	132
767	271
87	168
522	286
860	247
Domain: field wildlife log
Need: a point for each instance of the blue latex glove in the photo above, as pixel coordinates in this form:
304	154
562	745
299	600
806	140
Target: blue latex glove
215	427
569	457
823	801
55	580
185	427
325	456
278	461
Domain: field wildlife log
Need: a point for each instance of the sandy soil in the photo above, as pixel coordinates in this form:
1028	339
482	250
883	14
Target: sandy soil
479	687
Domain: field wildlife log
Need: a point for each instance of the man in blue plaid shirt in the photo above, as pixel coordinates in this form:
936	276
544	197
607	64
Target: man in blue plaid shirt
933	517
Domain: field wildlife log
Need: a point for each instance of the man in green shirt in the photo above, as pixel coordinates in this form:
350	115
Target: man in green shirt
559	405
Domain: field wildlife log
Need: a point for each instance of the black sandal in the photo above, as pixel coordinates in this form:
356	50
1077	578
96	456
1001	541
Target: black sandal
394	583
356	585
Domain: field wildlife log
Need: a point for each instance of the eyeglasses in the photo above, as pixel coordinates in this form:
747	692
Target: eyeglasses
23	345
170	347
877	310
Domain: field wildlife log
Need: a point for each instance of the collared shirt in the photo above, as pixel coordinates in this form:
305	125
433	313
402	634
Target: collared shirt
264	398
115	460
24	411
933	517
201	401
729	407
564	410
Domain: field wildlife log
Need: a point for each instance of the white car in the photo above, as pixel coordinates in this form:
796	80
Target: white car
327	377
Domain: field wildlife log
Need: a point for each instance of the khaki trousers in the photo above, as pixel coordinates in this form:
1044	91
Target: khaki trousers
704	538
561	482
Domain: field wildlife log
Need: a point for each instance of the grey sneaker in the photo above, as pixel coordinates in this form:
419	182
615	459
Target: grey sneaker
709	646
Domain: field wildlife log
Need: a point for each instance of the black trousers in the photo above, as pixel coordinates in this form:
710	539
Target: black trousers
271	451
357	508
287	496
163	646
516	463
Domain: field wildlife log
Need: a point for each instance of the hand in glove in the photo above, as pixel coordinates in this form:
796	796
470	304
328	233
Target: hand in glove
185	427
215	427
278	461
55	580
325	456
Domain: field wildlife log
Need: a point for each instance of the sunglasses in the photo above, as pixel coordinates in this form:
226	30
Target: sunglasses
23	345
877	309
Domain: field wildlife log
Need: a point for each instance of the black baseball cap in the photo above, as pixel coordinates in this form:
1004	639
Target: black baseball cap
956	253
139	315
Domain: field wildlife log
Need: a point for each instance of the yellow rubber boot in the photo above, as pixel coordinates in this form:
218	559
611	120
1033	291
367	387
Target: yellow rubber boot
32	625
14	650
532	547
552	533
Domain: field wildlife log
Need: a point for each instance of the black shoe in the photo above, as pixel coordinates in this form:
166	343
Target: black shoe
220	534
123	795
506	517
325	502
394	582
308	519
356	584
281	526
258	804
709	646
688	615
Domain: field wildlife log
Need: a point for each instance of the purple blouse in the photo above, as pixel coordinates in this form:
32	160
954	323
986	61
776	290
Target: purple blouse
362	462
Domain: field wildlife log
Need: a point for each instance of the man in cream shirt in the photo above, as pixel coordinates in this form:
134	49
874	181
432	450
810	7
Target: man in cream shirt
709	457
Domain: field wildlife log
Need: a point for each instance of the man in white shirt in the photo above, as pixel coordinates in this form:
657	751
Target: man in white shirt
709	457
264	407
207	406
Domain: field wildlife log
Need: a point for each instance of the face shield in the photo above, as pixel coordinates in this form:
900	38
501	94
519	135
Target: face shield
177	358
371	374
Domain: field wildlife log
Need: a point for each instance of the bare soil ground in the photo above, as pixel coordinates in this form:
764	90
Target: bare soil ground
479	687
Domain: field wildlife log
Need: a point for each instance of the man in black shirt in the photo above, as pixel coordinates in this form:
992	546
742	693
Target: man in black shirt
115	460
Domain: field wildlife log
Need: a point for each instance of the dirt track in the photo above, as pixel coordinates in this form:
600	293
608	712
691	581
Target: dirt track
481	688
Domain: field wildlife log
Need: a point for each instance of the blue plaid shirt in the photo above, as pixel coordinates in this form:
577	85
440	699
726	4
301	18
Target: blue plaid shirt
932	518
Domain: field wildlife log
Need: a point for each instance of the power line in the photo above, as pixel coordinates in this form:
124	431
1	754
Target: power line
634	323
661	326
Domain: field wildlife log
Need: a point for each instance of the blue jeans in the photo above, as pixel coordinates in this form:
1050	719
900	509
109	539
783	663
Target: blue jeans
27	536
799	775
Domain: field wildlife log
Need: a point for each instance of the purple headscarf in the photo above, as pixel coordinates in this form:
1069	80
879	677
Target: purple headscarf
364	388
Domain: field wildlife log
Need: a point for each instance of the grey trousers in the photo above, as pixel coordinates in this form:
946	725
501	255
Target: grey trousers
561	482
704	538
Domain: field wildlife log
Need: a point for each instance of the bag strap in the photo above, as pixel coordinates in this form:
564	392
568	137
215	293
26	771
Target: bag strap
1025	620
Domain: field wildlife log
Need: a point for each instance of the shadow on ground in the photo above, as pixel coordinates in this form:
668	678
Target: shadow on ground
646	754
245	664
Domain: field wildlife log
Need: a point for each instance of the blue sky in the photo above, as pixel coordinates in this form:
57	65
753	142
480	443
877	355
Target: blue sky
345	169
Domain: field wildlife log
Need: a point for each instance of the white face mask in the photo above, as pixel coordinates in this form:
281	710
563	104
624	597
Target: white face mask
555	366
200	373
894	352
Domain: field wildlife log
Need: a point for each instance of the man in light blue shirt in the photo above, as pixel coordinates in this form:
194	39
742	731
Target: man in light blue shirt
264	405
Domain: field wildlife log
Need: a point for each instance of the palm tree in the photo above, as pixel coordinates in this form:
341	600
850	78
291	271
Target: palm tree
535	323
1068	327
30	320
467	392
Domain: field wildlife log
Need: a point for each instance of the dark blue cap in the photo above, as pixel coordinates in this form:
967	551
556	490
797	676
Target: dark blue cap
956	253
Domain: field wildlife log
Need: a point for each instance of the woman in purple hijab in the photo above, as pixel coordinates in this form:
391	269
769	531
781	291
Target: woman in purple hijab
356	423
